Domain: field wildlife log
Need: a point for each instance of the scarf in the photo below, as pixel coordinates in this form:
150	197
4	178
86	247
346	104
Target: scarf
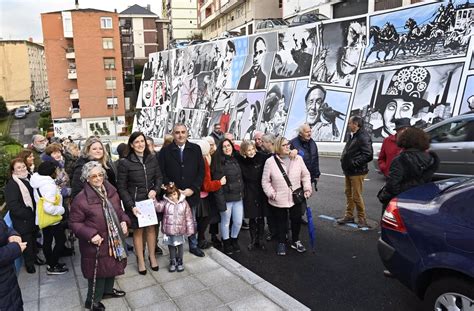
115	235
26	195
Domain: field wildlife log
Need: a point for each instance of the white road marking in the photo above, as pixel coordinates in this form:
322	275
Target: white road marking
340	176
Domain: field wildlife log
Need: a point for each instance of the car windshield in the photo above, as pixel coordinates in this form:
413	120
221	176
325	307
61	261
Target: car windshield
279	22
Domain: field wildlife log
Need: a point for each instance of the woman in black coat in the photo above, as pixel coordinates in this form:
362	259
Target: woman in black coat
11	248
21	204
94	150
414	166
139	178
252	163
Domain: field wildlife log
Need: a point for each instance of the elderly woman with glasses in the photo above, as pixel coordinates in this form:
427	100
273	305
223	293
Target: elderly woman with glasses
100	223
280	198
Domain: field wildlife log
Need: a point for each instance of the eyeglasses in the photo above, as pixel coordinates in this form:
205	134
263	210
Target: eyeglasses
95	176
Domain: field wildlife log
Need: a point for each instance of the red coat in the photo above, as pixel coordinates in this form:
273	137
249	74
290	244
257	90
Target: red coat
86	220
208	184
387	153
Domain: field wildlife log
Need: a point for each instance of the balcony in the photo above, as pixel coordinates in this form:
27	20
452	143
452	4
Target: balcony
75	113
229	6
70	54
74	94
72	74
205	21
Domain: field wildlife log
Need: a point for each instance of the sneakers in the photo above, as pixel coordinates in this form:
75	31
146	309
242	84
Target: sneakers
179	265
245	225
172	267
56	270
298	246
281	249
345	220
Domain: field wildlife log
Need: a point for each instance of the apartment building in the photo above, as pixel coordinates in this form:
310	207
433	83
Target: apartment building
183	16
218	16
84	65
23	75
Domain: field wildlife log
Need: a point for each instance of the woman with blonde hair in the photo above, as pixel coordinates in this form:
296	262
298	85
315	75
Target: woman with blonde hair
94	150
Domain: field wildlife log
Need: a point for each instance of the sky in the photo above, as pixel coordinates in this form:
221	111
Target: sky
21	19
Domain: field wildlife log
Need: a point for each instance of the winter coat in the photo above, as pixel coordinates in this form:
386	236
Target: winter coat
23	217
409	169
275	186
10	294
62	178
233	190
177	217
69	164
186	174
308	150
76	182
357	154
209	185
254	197
387	153
136	180
37	155
48	189
86	220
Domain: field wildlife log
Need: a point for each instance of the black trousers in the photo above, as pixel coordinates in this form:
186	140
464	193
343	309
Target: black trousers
29	254
280	222
102	286
202	223
55	232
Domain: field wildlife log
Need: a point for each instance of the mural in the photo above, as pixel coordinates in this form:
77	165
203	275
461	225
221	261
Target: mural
406	62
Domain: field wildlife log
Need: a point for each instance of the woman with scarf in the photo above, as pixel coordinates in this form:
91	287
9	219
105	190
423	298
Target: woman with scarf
100	224
20	202
29	159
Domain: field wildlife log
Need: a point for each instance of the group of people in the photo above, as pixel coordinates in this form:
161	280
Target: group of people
207	186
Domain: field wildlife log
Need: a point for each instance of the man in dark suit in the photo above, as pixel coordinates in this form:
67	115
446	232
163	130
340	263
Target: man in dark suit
255	78
181	162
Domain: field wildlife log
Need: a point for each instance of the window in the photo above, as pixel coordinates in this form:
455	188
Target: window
109	63
110	83
108	43
111	102
106	22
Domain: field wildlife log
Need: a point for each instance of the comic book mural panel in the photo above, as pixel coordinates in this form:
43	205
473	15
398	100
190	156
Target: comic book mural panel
426	95
421	33
244	116
295	51
324	110
276	107
152	121
338	53
467	101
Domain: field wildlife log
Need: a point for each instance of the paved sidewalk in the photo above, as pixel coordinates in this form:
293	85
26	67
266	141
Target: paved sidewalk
214	282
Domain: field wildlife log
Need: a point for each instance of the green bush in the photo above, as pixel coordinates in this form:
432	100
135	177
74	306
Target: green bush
5	159
3	108
45	114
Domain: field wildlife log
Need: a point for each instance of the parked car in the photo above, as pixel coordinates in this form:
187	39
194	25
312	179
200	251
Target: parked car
194	42
20	113
271	24
27	108
427	242
307	18
38	107
226	35
453	141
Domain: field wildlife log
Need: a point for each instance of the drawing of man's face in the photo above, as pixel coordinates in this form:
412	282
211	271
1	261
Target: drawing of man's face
356	39
260	48
229	56
314	101
147	93
396	109
281	103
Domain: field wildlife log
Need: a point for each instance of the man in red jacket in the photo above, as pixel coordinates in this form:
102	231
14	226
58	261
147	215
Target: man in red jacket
390	148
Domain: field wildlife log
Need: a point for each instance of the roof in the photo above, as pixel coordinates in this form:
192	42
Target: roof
137	10
3	42
80	10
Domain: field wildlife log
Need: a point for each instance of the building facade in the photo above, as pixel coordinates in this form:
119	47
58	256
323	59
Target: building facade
242	16
183	16
84	66
23	77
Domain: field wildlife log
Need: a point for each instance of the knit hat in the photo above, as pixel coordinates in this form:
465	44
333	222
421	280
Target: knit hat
47	168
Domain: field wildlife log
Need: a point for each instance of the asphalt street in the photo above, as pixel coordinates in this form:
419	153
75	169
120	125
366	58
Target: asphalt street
344	272
24	129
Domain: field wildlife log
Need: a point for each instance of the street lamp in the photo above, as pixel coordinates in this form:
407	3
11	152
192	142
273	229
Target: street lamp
113	100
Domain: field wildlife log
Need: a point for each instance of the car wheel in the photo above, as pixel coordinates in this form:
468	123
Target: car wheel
450	293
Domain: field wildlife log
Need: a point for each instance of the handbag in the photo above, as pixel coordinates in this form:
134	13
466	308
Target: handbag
384	196
45	219
298	194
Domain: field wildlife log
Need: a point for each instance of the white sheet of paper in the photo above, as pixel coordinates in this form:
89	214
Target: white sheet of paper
147	216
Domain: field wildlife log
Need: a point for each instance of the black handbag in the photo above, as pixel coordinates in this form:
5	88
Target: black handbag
298	194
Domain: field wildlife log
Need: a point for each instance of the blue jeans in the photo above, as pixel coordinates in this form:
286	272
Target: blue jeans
235	210
192	239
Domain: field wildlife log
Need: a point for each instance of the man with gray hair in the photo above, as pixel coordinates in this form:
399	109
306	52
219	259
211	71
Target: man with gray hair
38	145
268	141
257	137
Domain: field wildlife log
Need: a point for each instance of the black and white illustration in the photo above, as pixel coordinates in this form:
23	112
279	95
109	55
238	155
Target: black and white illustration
194	120
467	101
222	111
338	53
426	95
276	107
244	116
257	68
152	121
324	110
421	33
295	51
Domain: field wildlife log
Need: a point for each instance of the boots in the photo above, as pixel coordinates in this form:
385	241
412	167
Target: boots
235	244
216	242
253	236
259	238
227	247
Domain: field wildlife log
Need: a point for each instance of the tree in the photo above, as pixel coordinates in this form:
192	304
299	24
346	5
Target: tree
3	108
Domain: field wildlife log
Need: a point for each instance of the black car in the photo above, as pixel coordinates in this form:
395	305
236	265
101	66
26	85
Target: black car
307	18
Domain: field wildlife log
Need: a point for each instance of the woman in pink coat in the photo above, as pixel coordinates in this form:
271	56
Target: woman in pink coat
279	195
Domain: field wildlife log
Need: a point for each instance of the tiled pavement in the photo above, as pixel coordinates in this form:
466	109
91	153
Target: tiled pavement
214	282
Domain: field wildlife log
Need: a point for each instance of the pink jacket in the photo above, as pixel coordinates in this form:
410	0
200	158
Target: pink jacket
177	217
275	186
